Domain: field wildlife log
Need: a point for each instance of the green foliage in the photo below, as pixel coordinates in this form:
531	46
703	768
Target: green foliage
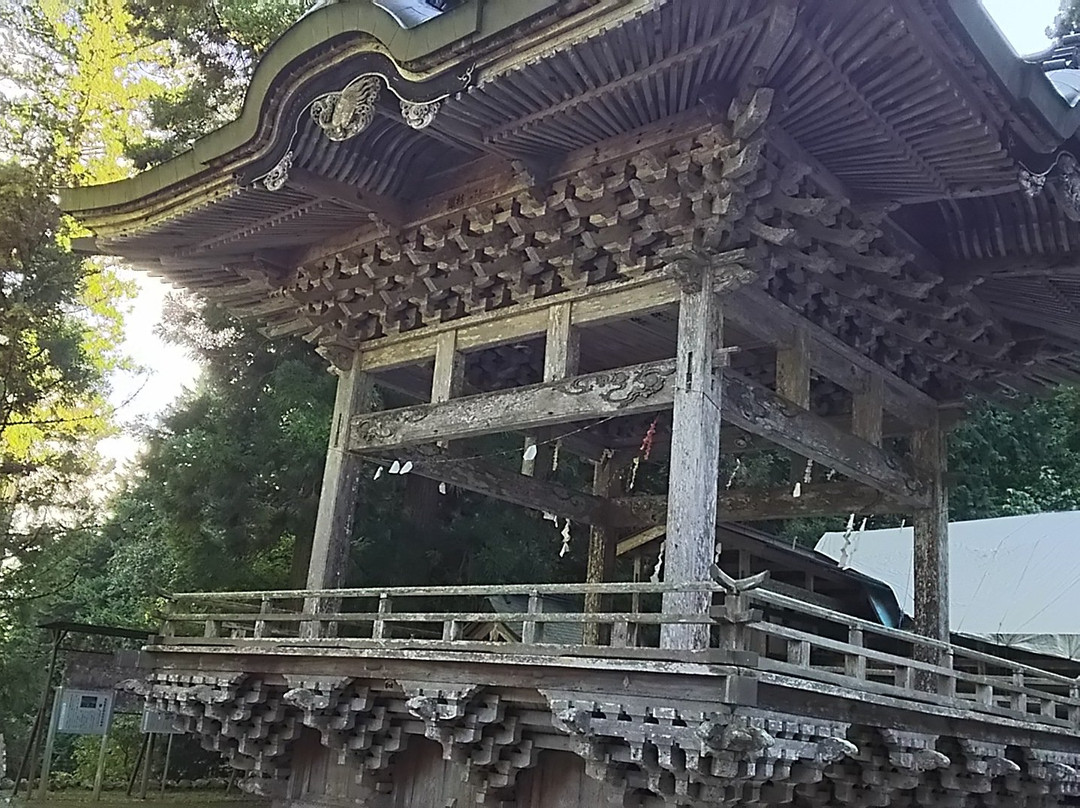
1006	461
122	748
214	45
1067	20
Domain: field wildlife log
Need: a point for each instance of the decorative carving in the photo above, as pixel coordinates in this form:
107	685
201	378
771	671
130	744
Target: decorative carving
236	715
1032	184
451	714
419	116
276	178
914	751
375	429
690	756
345	114
621	387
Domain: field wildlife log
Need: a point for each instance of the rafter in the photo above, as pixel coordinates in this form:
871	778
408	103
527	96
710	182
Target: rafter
378	206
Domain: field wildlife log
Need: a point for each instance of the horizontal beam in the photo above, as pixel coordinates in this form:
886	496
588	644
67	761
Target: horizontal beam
624	391
758	505
768	319
592	306
627	391
507	485
760	411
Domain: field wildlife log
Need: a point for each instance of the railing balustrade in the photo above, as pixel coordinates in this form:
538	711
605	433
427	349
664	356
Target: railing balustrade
787	639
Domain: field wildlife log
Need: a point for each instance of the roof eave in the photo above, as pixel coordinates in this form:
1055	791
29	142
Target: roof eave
1043	117
314	30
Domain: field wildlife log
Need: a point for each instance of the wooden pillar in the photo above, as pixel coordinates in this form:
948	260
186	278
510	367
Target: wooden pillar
561	357
695	458
601	558
929	448
793	384
341	479
866	411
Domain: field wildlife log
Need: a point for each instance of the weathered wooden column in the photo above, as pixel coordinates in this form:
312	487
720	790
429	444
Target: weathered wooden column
341	478
929	448
695	455
601	558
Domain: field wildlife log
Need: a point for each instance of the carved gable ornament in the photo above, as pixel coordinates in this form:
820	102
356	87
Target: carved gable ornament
343	114
1061	179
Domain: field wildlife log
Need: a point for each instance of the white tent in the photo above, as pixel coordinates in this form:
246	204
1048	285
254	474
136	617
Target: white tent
1014	581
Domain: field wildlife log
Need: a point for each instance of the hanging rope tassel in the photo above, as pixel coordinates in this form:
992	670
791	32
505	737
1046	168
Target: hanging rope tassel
655	577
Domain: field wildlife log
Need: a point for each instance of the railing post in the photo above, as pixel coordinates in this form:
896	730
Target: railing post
855	663
734	618
1074	707
312	629
378	630
451	630
798	653
211	629
260	625
528	628
947	681
1019	701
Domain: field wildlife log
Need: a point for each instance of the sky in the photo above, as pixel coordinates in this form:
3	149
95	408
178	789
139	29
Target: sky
1024	22
167	370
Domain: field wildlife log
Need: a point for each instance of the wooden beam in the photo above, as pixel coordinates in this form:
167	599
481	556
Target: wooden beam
379	206
562	347
793	383
793	370
624	391
506	485
762	504
646	536
767	318
757	409
695	457
337	501
604	302
867	412
562	353
930	450
449	374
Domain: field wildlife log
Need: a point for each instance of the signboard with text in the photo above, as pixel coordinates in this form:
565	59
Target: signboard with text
85	712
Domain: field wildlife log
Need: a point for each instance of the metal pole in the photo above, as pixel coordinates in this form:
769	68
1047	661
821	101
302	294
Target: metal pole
50	742
138	762
30	755
165	769
99	775
146	767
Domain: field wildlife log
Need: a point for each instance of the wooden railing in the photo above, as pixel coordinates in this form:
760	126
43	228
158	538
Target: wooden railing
790	642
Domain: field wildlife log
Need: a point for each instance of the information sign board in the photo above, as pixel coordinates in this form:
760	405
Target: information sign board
85	712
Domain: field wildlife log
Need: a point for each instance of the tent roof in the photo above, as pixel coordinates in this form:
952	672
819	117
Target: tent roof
1013	575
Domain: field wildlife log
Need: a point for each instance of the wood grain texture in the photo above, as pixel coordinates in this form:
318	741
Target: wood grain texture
623	391
930	449
337	500
695	457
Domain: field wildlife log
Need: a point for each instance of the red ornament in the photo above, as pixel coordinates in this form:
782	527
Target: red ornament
647	441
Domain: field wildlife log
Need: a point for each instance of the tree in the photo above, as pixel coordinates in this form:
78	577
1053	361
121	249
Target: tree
1067	20
215	45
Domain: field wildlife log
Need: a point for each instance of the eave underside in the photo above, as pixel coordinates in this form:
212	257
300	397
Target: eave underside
870	114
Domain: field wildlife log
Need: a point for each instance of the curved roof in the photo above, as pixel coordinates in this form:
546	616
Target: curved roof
915	110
